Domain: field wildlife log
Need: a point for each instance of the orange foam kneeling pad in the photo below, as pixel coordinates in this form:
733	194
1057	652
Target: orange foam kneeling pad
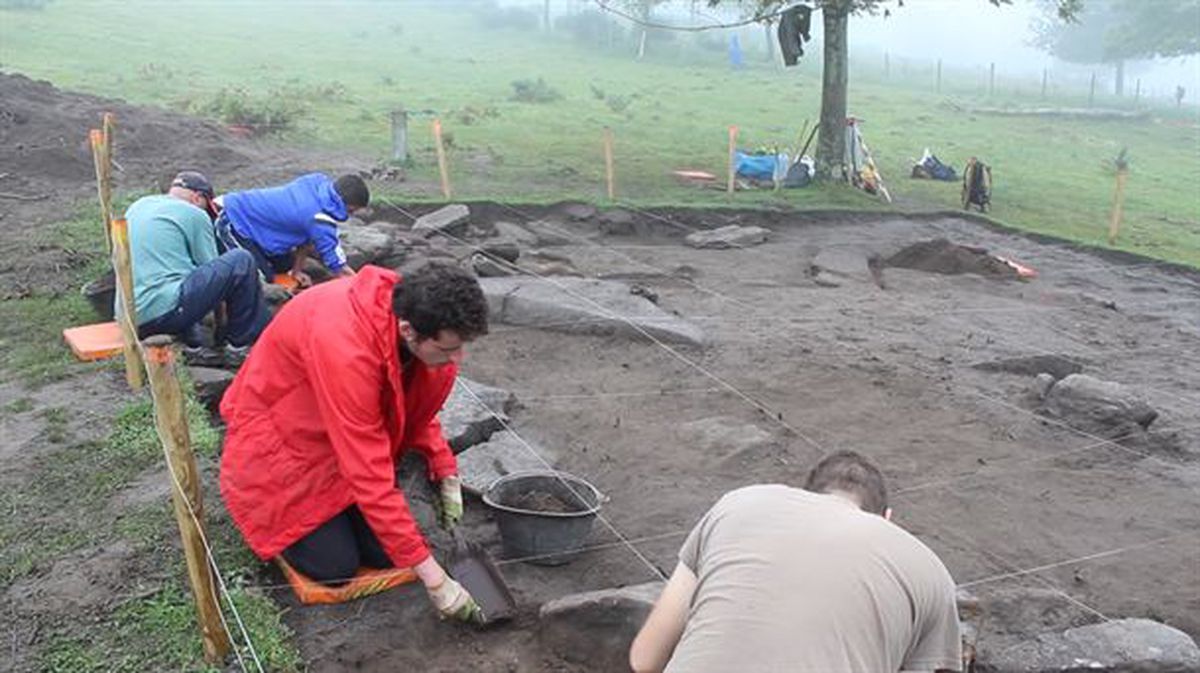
94	342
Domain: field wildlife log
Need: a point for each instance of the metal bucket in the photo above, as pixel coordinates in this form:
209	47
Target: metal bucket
531	530
100	293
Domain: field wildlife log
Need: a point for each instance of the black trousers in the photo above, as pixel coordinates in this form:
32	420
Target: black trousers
332	553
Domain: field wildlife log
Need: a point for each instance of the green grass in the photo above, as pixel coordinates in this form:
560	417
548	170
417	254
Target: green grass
1052	175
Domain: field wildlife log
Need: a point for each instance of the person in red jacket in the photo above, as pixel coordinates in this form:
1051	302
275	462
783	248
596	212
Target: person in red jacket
347	376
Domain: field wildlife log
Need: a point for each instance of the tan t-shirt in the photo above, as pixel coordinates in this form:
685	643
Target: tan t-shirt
808	583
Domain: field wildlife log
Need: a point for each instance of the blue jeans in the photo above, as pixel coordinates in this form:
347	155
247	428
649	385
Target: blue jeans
231	278
229	239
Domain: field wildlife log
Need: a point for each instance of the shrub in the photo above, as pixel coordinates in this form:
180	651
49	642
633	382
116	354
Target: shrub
494	16
534	91
270	114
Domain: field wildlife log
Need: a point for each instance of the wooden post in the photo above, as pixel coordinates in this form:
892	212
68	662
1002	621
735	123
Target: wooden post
400	135
1045	75
102	161
939	76
441	158
992	80
1114	224
608	162
1137	91
126	314
1092	91
170	419
733	133
887	65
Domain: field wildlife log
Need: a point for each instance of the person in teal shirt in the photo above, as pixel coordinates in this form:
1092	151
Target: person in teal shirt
179	277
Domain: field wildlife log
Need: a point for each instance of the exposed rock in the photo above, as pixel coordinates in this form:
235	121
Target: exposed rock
465	421
515	233
541	263
365	245
487	267
724	438
1118	646
837	265
617	222
551	233
443	219
504	250
1042	384
210	384
579	211
503	453
583	306
729	236
596	628
1058	366
1091	404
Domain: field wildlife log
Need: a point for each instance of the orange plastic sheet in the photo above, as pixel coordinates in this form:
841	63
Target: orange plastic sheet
366	581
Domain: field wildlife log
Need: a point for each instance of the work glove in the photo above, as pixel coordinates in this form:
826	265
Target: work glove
453	602
452	502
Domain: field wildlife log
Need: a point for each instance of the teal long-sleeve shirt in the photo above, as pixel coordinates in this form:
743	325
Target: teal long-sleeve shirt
168	239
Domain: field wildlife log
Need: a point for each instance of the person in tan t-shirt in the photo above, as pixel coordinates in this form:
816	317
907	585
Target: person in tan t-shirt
777	579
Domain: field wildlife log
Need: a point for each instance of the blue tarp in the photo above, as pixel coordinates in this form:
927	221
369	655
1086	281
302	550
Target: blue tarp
760	166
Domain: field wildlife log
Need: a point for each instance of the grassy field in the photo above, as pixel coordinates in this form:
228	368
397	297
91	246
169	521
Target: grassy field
339	68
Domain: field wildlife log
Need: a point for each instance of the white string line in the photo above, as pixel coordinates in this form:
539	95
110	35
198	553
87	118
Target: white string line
387	573
775	416
212	561
996	470
655	392
1009	567
578	496
1058	564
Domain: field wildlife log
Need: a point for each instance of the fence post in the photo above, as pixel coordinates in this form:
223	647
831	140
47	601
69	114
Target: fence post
992	80
1137	91
608	163
1045	75
170	419
101	141
939	76
887	65
443	167
1114	224
1092	91
733	132
126	314
400	135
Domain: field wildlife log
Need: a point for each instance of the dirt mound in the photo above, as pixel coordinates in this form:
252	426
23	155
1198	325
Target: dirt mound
46	168
942	256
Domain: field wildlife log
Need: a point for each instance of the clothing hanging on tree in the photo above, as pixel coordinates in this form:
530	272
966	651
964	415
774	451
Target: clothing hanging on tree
794	25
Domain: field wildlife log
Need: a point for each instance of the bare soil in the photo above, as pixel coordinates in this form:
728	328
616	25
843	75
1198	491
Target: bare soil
1049	526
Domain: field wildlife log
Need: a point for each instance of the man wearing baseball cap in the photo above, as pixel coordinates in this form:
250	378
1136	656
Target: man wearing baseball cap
178	276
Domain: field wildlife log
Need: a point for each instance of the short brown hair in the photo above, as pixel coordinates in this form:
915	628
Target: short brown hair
850	472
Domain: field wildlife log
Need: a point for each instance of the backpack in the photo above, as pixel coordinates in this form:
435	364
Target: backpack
977	185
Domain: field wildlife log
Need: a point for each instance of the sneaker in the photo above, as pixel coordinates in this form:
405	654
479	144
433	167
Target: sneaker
235	355
203	356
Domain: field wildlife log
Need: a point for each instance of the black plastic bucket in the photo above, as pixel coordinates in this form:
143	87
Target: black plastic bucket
101	293
544	516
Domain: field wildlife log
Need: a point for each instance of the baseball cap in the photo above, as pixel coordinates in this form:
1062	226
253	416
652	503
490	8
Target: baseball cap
194	181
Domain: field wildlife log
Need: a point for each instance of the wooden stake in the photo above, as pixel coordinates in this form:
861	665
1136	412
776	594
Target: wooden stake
170	419
441	158
126	314
1092	91
1045	75
939	76
1114	224
400	136
733	133
608	163
992	80
101	160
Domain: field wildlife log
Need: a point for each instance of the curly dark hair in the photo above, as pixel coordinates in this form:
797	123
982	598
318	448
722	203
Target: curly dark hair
440	296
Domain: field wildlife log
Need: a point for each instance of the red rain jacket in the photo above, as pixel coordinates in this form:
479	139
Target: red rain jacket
318	416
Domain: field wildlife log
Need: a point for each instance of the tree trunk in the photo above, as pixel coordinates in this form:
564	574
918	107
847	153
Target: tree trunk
835	75
1120	86
546	16
769	32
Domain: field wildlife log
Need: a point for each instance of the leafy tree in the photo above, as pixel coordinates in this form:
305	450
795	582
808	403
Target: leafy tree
835	17
1115	31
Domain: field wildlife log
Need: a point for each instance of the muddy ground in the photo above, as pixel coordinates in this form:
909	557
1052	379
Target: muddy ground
1049	526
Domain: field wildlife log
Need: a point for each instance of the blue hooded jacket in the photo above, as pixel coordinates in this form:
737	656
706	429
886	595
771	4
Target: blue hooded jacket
278	219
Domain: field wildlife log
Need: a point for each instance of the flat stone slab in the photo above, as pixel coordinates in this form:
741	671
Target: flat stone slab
365	244
210	384
597	627
501	454
1092	404
583	305
835	266
466	422
1118	646
730	236
1057	366
442	219
516	233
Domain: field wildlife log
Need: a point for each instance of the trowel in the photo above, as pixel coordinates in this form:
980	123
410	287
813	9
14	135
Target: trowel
471	566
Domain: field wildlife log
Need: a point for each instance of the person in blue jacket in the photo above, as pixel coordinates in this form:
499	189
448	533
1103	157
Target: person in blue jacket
279	225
